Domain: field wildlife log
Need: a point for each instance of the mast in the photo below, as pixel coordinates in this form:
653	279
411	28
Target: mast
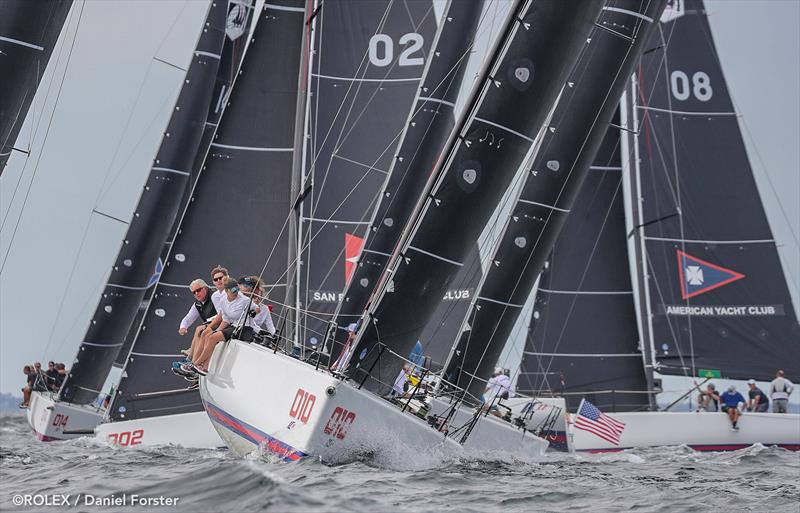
578	125
29	31
426	130
515	92
238	211
716	298
138	266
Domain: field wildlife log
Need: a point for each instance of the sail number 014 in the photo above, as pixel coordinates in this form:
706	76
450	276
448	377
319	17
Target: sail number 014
700	86
381	50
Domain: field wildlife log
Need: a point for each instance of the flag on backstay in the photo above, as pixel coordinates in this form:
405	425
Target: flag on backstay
591	419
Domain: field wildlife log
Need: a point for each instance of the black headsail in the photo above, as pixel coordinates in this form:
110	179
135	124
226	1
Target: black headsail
368	58
579	123
426	131
714	299
516	90
138	265
238	25
29	30
583	339
237	213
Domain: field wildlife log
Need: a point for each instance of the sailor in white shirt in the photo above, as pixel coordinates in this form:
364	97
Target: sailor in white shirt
252	286
779	391
232	311
203	309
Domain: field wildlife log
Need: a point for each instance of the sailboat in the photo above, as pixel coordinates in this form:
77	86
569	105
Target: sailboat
312	410
704	295
28	34
75	410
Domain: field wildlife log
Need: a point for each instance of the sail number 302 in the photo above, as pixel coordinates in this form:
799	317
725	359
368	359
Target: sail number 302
381	50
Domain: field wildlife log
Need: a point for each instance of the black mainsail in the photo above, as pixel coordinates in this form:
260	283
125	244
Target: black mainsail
138	265
29	31
368	57
237	27
713	297
236	214
583	339
516	91
426	131
568	149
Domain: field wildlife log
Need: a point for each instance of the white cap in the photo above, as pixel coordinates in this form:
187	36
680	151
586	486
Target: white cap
751	382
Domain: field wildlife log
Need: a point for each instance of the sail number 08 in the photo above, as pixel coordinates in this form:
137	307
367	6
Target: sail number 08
700	86
381	50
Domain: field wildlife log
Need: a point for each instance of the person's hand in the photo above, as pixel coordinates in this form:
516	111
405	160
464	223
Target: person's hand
183	331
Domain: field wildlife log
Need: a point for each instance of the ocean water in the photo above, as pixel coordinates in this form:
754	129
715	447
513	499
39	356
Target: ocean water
666	479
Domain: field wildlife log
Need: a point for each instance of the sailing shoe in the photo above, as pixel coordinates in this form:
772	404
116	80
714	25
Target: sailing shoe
200	370
176	369
193	386
187	368
192	378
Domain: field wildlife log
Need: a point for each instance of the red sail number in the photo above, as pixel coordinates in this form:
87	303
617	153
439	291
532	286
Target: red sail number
60	420
126	438
339	423
302	405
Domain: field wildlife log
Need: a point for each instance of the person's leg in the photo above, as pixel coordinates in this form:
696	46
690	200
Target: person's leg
736	415
208	348
26	396
780	405
197	339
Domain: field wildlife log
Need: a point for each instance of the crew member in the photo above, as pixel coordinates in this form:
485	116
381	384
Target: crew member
203	309
779	391
757	401
731	399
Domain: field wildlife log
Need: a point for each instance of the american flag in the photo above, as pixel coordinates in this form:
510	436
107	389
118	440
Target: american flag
594	421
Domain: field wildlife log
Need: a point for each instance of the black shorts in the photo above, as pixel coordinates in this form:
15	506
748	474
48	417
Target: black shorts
246	334
725	408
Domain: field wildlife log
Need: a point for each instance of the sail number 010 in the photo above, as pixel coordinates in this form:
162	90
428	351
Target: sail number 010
700	86
381	50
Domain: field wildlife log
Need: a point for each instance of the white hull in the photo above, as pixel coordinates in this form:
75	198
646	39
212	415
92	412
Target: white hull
702	431
191	430
54	420
269	402
263	401
545	416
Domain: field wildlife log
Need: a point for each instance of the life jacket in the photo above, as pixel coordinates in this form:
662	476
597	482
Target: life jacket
206	308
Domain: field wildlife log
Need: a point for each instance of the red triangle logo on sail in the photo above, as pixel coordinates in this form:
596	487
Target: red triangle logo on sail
352	248
698	276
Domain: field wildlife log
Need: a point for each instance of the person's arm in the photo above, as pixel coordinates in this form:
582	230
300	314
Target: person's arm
188	320
789	386
215	322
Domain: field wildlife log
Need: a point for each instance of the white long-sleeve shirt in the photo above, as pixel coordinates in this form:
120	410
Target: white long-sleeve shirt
232	310
263	319
193	315
780	388
217	297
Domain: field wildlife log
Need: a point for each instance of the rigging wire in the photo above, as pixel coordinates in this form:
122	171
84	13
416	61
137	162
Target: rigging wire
44	142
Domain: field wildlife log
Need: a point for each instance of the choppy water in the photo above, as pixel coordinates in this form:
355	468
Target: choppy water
676	479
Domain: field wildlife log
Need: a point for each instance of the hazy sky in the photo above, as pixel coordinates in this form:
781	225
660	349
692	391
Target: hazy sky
115	102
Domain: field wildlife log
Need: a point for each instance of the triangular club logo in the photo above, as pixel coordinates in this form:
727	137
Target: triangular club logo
698	276
352	248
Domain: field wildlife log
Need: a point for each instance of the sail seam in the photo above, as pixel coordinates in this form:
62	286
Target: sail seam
501	127
207	54
127	286
696	241
100	345
168	170
686	112
482	298
551	207
21	43
284	8
589	292
353	79
433	255
251	148
632	13
157	355
376	253
586	355
436	100
333	221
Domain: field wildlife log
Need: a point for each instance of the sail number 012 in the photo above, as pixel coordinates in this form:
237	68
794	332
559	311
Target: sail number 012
381	50
700	86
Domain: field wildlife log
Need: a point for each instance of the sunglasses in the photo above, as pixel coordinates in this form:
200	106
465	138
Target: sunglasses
197	291
219	278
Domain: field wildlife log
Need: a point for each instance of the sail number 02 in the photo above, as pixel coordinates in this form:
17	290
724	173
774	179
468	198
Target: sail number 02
700	86
381	50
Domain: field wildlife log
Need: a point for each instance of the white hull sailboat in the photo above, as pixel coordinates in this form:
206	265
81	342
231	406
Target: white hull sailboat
53	420
261	400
